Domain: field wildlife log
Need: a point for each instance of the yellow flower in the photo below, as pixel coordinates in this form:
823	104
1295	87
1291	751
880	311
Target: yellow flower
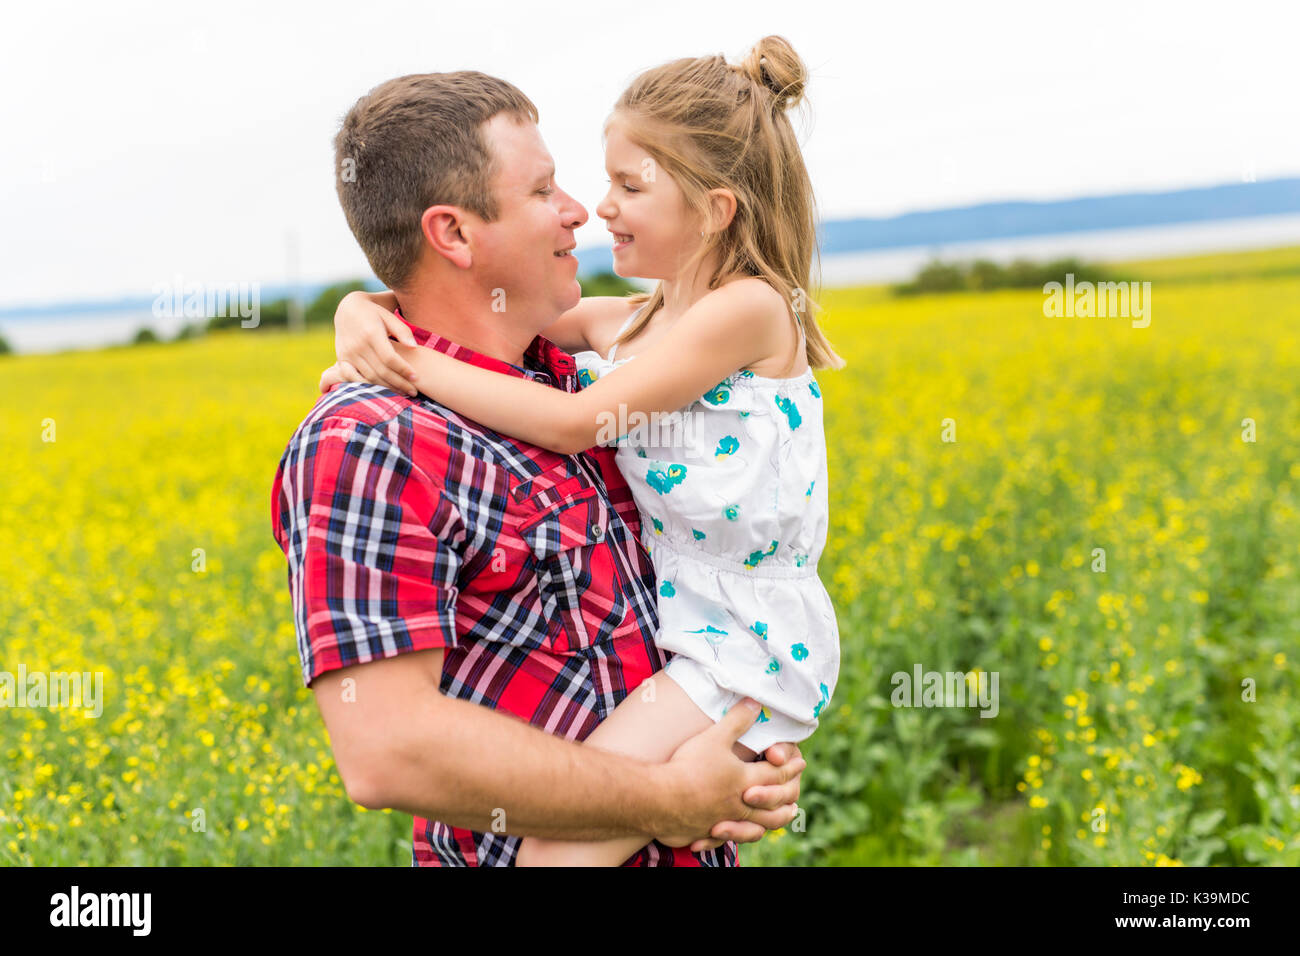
1187	777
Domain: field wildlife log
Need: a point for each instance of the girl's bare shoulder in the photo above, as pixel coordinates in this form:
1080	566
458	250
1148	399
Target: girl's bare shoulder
757	291
777	327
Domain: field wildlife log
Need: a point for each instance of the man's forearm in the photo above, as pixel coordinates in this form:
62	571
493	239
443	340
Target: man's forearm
469	766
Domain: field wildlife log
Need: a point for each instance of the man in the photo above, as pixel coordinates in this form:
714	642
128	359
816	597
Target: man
469	607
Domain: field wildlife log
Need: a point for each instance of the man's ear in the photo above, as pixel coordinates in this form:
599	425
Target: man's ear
443	228
722	206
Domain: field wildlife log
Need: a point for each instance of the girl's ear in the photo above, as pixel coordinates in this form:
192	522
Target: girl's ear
722	205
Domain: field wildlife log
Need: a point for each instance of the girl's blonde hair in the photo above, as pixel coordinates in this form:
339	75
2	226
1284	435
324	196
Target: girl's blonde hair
710	124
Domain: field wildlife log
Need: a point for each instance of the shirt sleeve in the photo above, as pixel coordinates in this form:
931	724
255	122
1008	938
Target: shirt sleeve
373	546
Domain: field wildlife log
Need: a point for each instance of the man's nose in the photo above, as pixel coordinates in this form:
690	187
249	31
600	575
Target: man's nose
574	213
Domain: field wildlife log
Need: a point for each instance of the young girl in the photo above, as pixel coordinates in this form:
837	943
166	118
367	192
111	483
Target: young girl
709	195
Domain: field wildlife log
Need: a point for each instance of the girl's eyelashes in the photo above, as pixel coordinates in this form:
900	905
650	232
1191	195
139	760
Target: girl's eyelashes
626	187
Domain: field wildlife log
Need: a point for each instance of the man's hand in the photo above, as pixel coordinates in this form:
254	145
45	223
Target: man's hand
707	783
763	798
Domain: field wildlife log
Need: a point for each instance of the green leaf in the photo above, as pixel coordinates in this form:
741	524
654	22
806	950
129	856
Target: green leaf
1202	823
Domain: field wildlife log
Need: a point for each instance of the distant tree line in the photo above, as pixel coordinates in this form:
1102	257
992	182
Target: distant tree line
320	311
982	275
606	283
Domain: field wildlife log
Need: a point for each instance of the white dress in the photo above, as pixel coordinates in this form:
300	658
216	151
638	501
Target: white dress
732	494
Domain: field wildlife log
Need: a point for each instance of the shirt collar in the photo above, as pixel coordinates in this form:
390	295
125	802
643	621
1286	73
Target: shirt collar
543	359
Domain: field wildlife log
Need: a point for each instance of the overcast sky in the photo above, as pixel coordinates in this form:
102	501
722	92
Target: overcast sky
149	140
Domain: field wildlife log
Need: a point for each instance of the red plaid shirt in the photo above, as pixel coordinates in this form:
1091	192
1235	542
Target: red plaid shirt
408	527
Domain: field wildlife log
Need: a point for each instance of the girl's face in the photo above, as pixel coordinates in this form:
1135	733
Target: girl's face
655	233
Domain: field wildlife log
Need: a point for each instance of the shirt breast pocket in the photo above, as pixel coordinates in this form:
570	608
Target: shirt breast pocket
578	574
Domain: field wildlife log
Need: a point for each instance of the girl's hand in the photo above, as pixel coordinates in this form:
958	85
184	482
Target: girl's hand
336	373
362	326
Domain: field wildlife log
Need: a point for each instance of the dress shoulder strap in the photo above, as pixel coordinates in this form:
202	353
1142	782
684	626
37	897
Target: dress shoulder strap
623	328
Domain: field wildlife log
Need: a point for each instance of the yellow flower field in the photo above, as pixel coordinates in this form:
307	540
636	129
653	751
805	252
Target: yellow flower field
1106	517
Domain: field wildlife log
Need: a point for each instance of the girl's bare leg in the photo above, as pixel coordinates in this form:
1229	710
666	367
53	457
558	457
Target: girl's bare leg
650	724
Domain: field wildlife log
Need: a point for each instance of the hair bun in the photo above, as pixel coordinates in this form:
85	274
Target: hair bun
772	63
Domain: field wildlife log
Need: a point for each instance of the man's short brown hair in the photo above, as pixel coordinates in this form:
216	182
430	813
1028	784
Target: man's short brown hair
414	142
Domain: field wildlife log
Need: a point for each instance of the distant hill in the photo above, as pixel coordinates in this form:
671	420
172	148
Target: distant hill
1006	219
1002	220
998	220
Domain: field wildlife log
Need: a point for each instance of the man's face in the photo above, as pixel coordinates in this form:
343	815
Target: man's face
525	252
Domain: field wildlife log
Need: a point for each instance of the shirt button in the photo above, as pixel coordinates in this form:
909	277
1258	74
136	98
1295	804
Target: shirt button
597	532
